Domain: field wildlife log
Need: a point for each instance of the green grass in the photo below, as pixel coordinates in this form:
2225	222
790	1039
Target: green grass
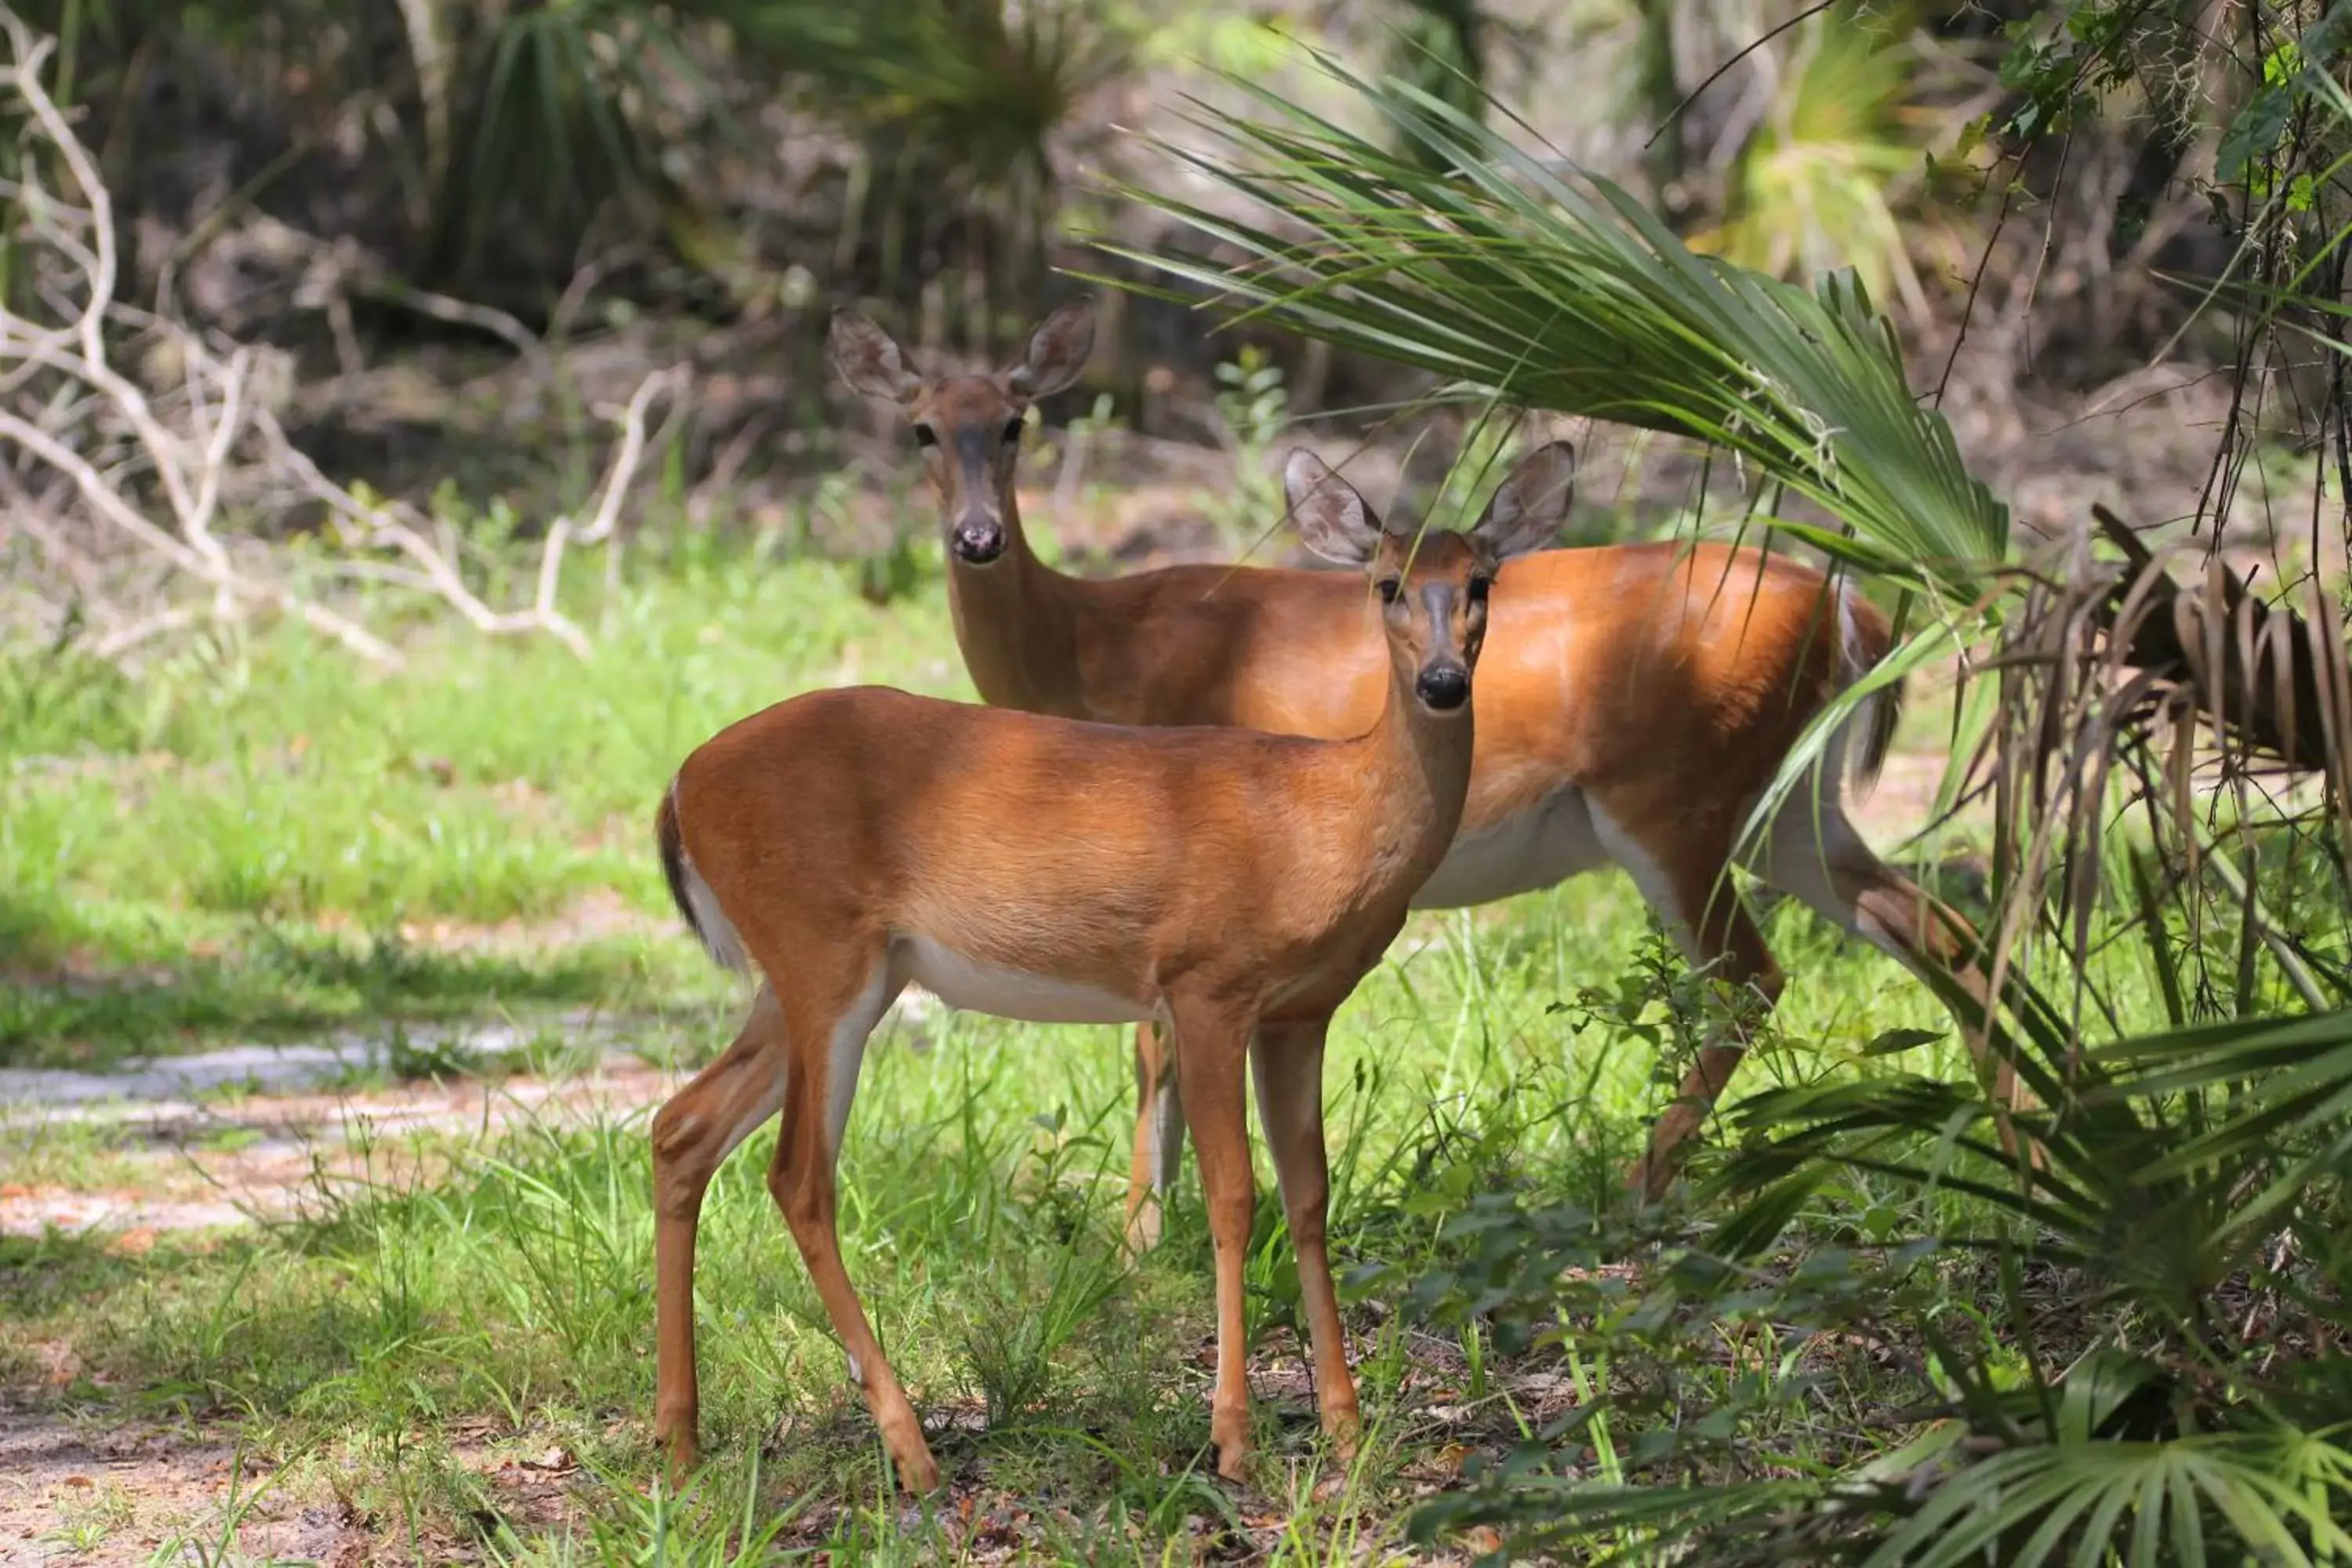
234	841
237	843
981	1189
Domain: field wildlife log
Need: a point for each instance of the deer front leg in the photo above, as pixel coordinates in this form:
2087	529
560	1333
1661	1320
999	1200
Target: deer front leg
831	1046
1212	1046
1289	1063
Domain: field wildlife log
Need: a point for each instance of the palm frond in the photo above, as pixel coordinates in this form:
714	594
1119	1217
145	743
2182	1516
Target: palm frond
978	84
2229	1497
2289	1111
1511	276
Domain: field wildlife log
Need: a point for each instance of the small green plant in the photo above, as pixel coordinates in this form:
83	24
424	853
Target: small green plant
1251	399
405	1056
86	1520
1253	408
1671	1010
1010	1348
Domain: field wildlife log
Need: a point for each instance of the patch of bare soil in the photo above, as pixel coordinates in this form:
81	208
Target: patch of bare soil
97	1490
175	1165
95	1494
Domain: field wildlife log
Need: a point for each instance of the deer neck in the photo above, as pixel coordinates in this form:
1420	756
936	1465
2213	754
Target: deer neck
1416	764
1015	621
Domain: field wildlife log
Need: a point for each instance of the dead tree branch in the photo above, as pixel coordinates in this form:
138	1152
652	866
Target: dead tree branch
181	461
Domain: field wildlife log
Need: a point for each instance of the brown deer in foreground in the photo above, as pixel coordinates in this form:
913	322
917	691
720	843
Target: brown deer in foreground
1635	702
1232	885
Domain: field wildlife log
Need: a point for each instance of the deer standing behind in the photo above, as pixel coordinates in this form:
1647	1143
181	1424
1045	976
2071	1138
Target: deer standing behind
1635	703
1230	884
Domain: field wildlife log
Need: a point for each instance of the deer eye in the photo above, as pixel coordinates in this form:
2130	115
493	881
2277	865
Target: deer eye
926	436
1478	586
1013	430
1387	587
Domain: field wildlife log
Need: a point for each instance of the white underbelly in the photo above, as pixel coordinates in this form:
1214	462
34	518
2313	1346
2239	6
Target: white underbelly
1540	847
974	987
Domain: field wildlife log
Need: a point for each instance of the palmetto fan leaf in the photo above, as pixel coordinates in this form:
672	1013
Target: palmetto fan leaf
2160	1193
1551	288
2290	1107
977	83
2144	1505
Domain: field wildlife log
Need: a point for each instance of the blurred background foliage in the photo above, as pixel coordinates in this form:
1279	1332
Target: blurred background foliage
739	164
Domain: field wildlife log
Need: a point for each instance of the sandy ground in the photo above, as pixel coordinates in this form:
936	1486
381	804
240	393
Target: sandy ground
74	1492
98	1492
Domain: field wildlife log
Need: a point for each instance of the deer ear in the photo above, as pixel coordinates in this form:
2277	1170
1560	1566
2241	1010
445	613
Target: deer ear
1527	512
1333	520
868	359
1057	352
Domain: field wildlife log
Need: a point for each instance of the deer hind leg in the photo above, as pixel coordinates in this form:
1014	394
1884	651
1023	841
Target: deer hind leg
692	1135
1819	860
829	1034
1212	1045
1159	1137
1684	880
1289	1060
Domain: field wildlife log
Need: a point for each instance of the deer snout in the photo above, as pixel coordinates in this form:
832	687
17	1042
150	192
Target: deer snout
978	537
1443	686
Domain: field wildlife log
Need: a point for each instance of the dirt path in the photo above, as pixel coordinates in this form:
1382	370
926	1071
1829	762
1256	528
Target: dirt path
174	1165
229	1136
114	1493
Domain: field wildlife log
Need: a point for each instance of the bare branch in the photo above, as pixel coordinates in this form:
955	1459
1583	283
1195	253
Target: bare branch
158	451
631	453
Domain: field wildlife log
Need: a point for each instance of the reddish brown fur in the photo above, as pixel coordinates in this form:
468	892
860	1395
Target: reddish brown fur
1237	883
1665	683
1726	654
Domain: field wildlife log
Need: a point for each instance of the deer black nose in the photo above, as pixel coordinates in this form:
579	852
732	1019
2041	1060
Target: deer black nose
1444	687
979	540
